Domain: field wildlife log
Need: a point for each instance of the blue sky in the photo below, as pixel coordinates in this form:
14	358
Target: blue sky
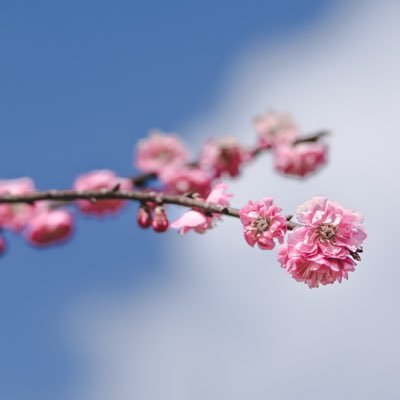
80	83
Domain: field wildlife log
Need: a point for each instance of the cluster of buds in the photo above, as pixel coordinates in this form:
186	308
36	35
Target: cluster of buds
48	222
292	156
40	224
152	215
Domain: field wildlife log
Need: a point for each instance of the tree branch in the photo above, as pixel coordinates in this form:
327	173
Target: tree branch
140	196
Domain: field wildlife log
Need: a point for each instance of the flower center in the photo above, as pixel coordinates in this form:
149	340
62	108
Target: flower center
261	224
326	232
225	155
164	156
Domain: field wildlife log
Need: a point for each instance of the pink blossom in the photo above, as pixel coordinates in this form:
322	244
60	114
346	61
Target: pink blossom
262	223
224	156
15	216
160	150
49	227
300	159
97	180
322	271
275	129
186	179
323	249
197	219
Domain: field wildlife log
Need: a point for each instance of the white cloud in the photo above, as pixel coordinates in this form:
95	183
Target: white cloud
230	323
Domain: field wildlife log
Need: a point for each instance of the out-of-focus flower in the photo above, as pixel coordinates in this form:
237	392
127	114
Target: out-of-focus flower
224	156
198	220
262	223
324	248
275	129
49	227
160	150
97	180
186	179
15	216
300	159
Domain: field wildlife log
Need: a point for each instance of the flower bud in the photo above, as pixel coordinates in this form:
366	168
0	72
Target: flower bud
144	219
160	221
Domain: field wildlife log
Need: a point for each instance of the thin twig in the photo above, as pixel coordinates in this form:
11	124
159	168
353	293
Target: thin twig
141	196
312	138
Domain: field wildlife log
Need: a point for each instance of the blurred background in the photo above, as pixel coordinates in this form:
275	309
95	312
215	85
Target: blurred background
120	313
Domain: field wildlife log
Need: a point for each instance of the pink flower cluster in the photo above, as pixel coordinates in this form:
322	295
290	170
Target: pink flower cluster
47	223
326	245
279	133
165	157
321	249
168	157
40	224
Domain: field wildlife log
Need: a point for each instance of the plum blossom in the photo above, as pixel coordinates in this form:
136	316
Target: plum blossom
197	219
323	249
300	159
97	180
262	223
275	129
50	226
224	156
160	150
15	216
186	179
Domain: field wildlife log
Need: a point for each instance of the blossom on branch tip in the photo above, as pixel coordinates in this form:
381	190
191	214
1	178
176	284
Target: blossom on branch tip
324	248
275	129
224	156
262	223
15	216
97	180
198	220
300	159
160	150
49	227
